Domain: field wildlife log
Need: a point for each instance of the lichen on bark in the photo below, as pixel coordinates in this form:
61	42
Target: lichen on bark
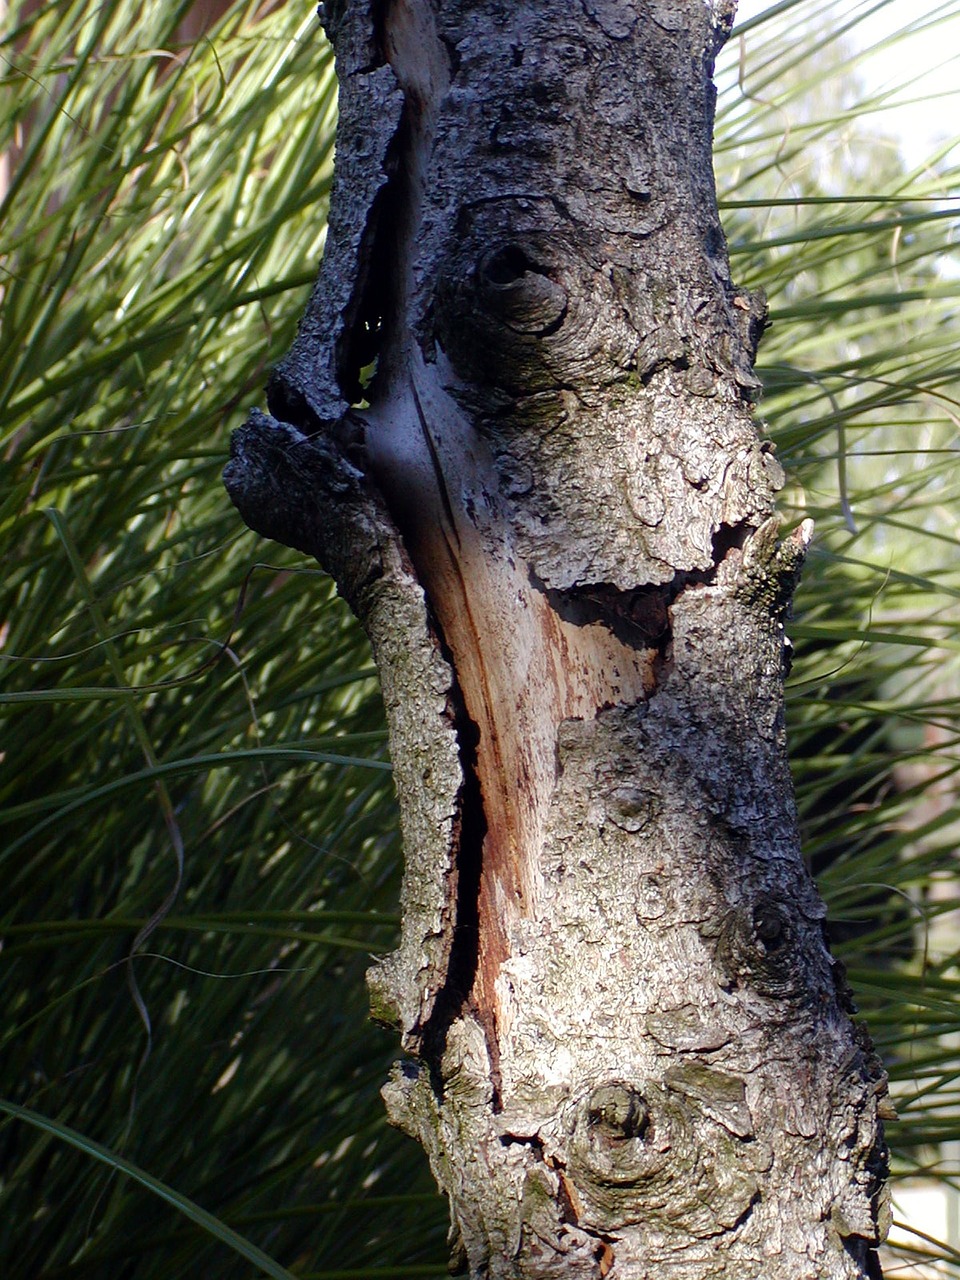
628	1049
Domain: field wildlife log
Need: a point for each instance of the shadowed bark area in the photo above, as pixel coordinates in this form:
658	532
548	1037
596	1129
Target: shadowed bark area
516	428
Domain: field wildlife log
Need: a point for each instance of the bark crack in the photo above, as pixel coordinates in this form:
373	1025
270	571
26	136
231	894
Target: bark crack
453	999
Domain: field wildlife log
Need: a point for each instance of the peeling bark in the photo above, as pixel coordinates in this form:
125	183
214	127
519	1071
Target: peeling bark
516	428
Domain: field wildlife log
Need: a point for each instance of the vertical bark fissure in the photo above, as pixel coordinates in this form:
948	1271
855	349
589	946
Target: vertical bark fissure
552	512
453	997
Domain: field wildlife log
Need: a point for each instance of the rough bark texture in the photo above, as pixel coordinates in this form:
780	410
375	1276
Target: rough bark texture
516	428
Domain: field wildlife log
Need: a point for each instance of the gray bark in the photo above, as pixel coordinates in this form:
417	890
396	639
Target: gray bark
628	1049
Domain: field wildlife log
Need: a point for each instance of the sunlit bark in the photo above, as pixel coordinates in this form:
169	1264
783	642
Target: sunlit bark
516	427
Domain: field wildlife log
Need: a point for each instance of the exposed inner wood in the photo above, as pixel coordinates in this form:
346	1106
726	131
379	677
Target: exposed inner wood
521	668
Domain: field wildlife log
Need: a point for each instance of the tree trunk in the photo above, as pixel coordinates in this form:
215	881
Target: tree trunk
516	428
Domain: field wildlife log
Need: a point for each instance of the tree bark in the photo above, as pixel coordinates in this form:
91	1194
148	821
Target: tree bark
516	428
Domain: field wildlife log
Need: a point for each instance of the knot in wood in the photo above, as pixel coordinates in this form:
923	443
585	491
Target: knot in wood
770	926
660	1152
622	1135
617	1112
758	946
507	303
519	291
